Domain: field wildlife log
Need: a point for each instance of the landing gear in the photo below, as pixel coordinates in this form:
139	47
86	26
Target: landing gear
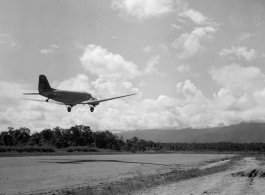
47	100
91	109
69	109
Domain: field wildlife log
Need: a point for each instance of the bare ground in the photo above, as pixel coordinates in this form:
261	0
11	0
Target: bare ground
246	177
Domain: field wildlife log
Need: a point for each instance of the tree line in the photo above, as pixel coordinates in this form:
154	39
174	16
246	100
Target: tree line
218	147
83	136
78	135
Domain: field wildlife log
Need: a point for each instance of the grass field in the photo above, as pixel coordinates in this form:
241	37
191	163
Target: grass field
51	174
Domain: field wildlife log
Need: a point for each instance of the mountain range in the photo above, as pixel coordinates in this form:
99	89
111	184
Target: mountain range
240	133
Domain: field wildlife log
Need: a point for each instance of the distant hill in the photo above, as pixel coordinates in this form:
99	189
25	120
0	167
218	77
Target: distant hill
240	133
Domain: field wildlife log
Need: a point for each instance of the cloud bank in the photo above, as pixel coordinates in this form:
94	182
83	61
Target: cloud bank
240	52
241	98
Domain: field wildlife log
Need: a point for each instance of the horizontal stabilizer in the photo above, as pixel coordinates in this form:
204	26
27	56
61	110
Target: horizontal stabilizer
31	94
36	100
103	100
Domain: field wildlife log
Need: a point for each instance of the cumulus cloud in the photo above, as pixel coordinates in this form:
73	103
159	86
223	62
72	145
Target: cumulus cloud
244	36
150	68
111	87
79	83
108	65
239	79
143	9
198	18
169	102
190	44
188	86
241	98
99	61
185	69
240	52
11	92
14	117
52	48
195	16
13	89
175	26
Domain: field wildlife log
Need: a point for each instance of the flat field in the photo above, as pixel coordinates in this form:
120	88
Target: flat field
51	174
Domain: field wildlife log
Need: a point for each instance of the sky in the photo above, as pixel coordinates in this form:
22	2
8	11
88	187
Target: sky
195	64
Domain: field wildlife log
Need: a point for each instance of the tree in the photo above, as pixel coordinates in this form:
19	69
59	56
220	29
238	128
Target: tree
87	134
46	136
21	136
7	139
35	139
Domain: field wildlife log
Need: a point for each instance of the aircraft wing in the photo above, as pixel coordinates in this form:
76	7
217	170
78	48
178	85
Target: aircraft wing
103	100
31	94
36	100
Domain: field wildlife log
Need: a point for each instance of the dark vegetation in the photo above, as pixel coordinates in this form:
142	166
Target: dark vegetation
77	138
82	139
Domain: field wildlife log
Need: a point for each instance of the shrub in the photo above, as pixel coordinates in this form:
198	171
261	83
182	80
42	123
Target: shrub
80	149
27	149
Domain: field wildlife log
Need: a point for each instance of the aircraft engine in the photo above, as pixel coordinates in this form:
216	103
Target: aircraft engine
94	104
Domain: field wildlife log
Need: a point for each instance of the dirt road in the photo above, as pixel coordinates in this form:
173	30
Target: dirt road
247	177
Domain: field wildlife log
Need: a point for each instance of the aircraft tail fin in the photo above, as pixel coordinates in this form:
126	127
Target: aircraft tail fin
44	84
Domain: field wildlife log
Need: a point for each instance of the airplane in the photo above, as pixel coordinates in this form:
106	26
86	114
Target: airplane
68	98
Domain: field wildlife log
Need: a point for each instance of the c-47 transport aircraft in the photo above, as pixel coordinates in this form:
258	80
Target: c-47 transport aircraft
68	98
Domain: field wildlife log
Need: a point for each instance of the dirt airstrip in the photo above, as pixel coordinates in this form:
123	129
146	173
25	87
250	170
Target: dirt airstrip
51	174
247	177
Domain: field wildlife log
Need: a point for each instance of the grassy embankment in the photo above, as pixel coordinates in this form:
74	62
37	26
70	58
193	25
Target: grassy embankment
141	182
6	151
19	149
35	150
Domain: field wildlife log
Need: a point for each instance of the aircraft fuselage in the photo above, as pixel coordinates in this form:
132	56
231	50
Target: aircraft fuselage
67	97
